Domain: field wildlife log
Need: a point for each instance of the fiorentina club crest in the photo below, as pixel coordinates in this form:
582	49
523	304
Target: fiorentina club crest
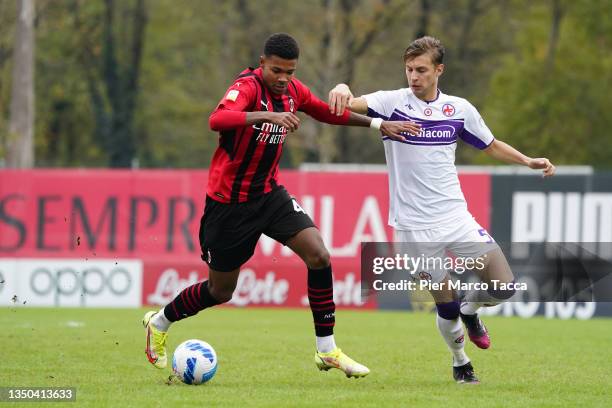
424	275
448	109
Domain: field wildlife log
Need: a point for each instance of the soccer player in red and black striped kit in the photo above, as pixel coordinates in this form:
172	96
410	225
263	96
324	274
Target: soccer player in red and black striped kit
245	200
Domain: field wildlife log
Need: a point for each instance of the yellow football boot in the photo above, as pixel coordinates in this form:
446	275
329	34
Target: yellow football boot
156	342
337	359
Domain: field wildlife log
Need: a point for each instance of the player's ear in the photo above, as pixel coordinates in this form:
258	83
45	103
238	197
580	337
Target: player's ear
262	59
439	69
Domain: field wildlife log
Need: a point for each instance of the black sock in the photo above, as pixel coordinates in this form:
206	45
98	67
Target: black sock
321	299
189	302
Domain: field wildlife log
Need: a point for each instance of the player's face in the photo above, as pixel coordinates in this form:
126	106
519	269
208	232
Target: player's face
277	72
422	75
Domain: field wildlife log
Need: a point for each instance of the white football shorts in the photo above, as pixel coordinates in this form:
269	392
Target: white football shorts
460	238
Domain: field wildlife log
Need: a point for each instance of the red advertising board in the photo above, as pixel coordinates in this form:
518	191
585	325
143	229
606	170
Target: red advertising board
153	216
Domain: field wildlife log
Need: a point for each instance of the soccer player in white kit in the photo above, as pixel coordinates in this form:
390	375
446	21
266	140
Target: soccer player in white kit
426	205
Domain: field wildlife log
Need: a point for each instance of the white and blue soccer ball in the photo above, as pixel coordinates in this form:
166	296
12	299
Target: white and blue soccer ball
194	362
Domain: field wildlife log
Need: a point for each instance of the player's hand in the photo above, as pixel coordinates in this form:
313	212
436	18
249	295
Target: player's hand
339	98
394	128
542	163
286	119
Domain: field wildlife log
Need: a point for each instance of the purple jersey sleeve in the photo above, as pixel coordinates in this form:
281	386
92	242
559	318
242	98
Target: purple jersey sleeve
475	131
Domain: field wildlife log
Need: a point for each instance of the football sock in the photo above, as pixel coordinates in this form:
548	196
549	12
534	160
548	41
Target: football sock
160	321
189	302
451	329
321	300
326	344
470	308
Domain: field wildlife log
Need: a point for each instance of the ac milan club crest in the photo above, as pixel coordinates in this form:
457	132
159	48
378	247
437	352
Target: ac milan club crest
448	109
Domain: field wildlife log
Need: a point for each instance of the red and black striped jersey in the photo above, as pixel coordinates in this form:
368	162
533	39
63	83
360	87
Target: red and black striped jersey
245	164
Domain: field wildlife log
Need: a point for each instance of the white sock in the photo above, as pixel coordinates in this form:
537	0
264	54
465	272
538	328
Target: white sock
452	333
476	299
470	308
160	321
326	344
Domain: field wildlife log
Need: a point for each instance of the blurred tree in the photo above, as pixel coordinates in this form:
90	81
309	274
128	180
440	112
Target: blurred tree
20	139
103	97
7	23
64	125
113	73
342	34
551	95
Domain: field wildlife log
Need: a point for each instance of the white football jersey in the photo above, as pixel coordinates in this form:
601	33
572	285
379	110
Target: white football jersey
424	187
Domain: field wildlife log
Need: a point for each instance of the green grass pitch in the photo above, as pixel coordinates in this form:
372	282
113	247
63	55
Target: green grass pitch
266	359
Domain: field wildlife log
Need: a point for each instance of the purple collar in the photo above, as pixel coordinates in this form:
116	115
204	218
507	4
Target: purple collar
435	99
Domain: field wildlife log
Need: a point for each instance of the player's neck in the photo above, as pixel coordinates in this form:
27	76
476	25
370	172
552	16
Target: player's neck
430	96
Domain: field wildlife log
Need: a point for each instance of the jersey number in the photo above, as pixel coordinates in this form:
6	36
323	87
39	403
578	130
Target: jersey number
296	206
483	232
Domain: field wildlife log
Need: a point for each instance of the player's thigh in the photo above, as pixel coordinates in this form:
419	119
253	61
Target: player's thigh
470	240
228	234
288	223
496	267
308	245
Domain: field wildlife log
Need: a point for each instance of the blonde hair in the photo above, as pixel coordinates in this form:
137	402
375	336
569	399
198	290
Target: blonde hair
425	45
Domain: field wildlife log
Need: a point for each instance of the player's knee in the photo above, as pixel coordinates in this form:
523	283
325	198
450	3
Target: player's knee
504	292
318	259
448	311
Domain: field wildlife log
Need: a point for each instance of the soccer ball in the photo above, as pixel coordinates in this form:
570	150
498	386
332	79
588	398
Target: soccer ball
194	362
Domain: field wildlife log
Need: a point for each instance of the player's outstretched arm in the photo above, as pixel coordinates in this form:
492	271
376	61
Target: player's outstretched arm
226	119
320	111
508	154
341	98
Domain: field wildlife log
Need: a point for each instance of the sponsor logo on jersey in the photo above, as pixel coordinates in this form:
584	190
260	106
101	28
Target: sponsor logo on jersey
432	131
437	132
270	133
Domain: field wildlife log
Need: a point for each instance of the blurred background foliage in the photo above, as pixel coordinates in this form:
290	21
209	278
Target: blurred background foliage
131	83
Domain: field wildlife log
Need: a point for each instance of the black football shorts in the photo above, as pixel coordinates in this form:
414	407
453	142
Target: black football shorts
229	232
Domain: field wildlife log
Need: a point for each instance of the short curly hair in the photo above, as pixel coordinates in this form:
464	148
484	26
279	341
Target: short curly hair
282	45
424	45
